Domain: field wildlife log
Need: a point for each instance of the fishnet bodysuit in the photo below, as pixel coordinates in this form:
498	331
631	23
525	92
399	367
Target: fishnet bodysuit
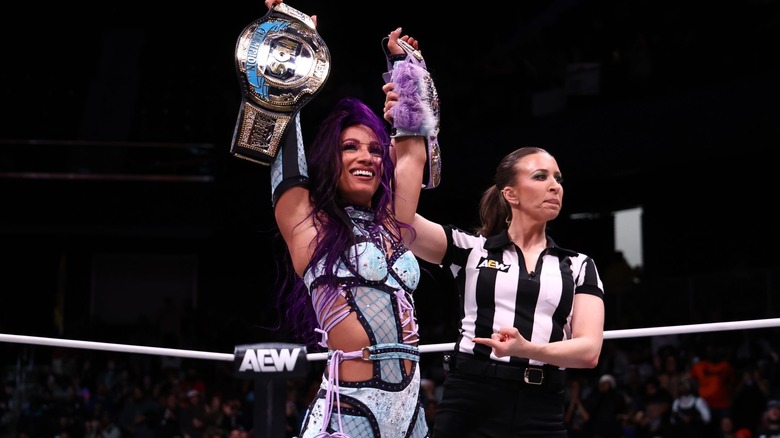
377	277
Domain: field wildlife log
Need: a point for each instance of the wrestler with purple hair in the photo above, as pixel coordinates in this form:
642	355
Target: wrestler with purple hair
350	277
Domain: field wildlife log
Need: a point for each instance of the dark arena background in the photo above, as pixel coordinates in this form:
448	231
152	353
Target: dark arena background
123	217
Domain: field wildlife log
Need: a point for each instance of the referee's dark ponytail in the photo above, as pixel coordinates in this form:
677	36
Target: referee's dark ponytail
493	212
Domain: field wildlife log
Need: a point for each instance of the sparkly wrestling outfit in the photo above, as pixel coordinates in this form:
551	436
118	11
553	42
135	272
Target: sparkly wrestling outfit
376	283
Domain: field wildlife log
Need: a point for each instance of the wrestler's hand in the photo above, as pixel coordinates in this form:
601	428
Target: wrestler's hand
392	42
271	3
391	100
391	97
507	342
401	148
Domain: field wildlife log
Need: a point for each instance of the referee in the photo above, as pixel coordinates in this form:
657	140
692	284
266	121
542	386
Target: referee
529	308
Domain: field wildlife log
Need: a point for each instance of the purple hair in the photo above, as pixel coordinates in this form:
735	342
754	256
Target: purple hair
334	235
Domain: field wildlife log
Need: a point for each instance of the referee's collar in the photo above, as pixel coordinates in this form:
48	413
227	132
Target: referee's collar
502	239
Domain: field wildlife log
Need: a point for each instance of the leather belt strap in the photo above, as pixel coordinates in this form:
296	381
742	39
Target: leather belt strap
382	352
542	375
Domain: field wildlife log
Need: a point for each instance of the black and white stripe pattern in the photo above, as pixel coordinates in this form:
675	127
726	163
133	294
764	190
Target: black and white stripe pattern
496	290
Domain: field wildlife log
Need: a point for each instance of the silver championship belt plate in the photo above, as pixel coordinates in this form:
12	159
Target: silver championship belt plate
282	62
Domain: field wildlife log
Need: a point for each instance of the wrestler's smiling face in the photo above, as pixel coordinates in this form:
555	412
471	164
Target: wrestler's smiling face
361	165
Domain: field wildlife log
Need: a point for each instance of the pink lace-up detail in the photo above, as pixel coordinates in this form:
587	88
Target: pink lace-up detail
406	311
324	340
329	313
333	395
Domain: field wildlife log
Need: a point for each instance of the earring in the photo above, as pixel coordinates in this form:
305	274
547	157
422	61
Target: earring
508	220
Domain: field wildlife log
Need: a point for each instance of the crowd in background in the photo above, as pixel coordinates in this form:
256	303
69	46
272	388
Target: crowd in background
81	393
721	384
711	385
717	384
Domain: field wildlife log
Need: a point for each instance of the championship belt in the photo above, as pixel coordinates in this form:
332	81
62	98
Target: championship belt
282	62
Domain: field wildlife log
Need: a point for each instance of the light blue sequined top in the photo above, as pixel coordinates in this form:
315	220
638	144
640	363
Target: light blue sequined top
375	270
376	276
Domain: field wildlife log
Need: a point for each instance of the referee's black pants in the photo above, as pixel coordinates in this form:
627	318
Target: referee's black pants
479	406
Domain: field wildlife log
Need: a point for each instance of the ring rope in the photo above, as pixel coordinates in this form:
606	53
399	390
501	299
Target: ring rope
430	348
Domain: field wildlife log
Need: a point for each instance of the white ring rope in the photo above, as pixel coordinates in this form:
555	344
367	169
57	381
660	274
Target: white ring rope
430	348
56	342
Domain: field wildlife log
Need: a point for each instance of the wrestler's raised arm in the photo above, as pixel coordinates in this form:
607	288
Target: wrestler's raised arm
414	142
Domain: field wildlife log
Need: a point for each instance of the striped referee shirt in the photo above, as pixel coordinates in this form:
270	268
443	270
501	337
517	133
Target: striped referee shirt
495	289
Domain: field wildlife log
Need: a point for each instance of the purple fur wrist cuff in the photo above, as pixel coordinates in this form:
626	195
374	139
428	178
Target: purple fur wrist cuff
413	113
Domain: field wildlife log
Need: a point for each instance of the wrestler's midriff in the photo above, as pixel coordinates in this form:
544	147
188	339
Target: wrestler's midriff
348	336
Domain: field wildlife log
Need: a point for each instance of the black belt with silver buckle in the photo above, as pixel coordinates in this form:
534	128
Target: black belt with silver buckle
542	375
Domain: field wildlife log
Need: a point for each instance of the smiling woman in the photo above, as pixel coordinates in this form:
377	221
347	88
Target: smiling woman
348	278
361	165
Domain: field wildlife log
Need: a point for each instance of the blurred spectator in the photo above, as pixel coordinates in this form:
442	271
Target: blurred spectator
293	407
607	409
193	380
214	417
429	400
750	398
234	418
168	425
743	432
715	378
103	427
770	421
754	349
192	418
615	360
651	411
575	416
8	408
138	415
108	376
728	430
100	400
671	373
690	414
